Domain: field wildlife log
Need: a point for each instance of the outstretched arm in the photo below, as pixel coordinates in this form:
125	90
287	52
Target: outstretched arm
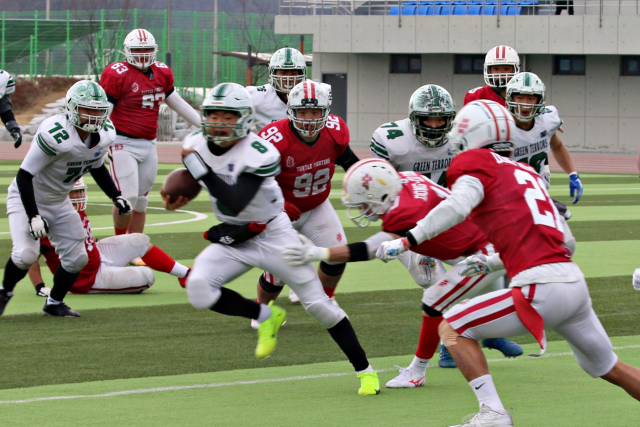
180	106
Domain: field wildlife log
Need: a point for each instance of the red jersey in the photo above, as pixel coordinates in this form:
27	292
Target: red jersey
138	96
306	170
516	213
484	92
88	274
419	195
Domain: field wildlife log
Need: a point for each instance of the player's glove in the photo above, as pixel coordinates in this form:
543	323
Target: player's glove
428	267
546	178
38	227
390	250
292	211
123	205
14	130
307	252
636	279
575	185
477	265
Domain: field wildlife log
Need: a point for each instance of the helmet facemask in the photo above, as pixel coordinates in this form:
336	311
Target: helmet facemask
284	84
87	122
308	127
79	202
499	80
238	130
518	109
429	136
366	212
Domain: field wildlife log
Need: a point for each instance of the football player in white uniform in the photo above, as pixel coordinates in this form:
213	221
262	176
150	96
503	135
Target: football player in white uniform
238	169
66	146
537	125
7	87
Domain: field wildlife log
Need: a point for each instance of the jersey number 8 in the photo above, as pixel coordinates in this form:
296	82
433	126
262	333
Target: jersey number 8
311	184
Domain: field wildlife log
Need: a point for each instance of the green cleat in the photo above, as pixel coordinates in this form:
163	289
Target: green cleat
268	331
369	384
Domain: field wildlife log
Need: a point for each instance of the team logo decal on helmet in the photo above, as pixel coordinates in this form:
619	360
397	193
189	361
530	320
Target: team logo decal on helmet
227	97
500	55
525	84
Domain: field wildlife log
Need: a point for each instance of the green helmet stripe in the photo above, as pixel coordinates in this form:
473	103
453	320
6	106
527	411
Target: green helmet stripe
436	96
287	57
95	91
220	92
527	79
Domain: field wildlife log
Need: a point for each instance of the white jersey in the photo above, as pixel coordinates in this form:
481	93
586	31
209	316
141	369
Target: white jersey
251	154
533	145
269	107
396	143
58	158
7	84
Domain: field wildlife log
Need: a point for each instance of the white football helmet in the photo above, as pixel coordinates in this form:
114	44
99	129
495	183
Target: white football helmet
228	97
370	186
89	95
79	203
304	96
525	84
287	58
140	39
500	55
483	124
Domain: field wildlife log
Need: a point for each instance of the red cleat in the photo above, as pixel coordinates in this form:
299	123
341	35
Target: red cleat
183	281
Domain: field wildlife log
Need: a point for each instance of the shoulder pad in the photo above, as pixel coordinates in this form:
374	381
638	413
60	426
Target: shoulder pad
109	131
52	136
161	65
193	139
261	157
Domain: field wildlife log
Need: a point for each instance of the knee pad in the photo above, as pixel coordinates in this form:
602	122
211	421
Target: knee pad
139	203
326	313
268	286
141	241
431	312
448	335
332	269
201	294
24	258
76	262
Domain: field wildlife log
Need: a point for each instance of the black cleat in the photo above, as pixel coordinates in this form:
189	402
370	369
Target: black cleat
4	299
59	310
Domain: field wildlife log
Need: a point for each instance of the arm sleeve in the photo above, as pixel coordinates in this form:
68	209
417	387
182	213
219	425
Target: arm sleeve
466	194
233	197
7	117
103	179
347	159
180	106
25	185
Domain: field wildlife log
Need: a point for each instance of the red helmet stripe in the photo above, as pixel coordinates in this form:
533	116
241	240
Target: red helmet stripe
504	52
306	93
495	119
313	90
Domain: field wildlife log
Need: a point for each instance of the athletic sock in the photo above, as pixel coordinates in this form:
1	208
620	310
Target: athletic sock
120	231
330	292
419	366
158	260
232	303
12	275
344	335
51	301
429	337
179	270
486	393
265	313
62	282
367	369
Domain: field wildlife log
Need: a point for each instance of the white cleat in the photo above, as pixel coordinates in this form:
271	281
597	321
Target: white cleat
254	324
487	417
406	379
293	297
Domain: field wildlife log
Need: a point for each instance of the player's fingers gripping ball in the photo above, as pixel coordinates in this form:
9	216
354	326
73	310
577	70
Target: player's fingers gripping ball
391	250
178	189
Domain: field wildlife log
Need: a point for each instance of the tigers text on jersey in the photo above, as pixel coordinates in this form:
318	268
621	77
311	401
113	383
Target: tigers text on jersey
484	92
397	144
58	158
533	145
88	274
251	154
7	84
516	213
269	107
139	97
306	171
418	197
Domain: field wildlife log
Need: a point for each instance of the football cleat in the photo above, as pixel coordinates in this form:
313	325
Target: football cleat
43	292
59	310
138	262
293	297
183	281
406	379
446	361
505	346
4	300
268	331
369	384
487	417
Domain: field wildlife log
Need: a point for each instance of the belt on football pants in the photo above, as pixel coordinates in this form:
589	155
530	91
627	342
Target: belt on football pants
119	132
529	317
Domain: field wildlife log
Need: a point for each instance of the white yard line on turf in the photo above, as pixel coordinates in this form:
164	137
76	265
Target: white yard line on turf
270	380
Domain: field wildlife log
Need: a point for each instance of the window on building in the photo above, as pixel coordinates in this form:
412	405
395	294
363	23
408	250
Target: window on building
407	64
569	65
469	64
630	66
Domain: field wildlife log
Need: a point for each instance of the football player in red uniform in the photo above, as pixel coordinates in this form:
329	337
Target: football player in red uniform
373	189
106	272
311	143
508	200
500	65
136	87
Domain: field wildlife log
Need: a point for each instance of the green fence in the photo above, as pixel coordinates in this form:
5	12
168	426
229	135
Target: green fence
82	43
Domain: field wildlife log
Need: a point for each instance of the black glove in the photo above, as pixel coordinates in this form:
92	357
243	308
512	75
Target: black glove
230	235
123	205
14	130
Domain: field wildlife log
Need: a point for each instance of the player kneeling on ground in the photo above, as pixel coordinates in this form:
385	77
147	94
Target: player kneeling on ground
238	168
507	200
66	146
107	271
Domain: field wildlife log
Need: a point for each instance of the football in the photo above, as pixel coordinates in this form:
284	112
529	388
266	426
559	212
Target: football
179	182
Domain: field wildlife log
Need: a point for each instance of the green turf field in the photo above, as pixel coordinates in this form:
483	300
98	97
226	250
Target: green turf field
151	359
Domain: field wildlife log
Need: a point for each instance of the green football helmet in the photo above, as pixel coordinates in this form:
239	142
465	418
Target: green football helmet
228	97
525	84
287	58
90	96
431	101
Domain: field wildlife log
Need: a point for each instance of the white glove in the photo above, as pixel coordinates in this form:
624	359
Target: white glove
636	279
123	205
306	253
428	267
477	265
390	250
38	227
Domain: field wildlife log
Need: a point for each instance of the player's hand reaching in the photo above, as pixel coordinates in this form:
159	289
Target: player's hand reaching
292	211
38	227
636	279
306	253
477	265
390	250
123	205
17	137
575	186
177	204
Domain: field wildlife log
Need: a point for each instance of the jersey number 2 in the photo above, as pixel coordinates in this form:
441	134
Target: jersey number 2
535	194
311	184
